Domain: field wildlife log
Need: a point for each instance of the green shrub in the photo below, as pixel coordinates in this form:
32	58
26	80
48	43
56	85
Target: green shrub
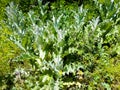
69	48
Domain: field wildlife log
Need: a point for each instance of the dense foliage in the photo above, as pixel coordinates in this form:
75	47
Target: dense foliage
61	47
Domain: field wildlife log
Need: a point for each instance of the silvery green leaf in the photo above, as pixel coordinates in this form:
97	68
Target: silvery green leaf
94	23
112	1
45	78
58	19
41	53
56	87
30	16
19	30
20	45
54	20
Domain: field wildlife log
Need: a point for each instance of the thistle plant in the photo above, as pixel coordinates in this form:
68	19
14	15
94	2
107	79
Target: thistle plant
66	49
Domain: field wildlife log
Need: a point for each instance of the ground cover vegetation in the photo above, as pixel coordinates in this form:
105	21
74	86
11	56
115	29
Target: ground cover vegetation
60	45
